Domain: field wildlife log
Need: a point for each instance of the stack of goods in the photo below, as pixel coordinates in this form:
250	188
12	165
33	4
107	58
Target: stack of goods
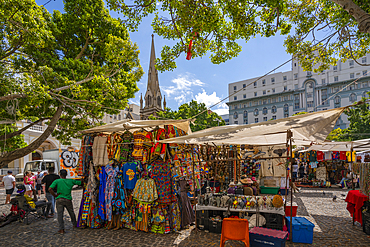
130	181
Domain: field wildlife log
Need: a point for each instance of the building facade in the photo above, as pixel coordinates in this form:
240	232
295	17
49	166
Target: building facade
283	94
153	96
132	111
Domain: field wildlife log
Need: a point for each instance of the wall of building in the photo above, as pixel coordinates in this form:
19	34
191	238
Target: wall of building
283	94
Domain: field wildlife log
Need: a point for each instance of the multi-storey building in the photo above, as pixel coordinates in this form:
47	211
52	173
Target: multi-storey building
132	111
283	94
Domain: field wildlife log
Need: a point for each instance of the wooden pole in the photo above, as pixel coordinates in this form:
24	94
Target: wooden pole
290	135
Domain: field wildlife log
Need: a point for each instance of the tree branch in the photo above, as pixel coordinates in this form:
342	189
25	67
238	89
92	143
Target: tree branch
18	132
360	15
13	96
84	47
19	153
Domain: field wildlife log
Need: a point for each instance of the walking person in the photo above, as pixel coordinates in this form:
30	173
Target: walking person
27	180
39	177
9	183
64	198
48	180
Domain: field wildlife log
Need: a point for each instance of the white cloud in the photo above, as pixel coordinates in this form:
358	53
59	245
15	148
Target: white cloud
181	91
210	100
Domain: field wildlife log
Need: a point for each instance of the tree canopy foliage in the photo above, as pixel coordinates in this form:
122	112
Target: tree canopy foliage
318	32
206	119
65	68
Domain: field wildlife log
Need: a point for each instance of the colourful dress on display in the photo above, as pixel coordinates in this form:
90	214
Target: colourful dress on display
161	174
109	190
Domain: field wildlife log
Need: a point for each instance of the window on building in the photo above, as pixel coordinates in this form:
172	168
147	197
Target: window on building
364	72
352	75
265	119
235	122
255	84
295	76
264	110
244	96
337	100
285	98
309	73
285	88
263	82
255	103
273	90
273	109
245	121
285	78
335	68
363	60
286	114
336	78
260	102
352	97
115	117
309	95
279	99
323	81
255	94
295	86
273	79
245	106
273	100
351	63
269	100
234	87
245	114
119	117
244	85
365	95
324	96
235	97
296	101
250	104
286	107
264	102
296	105
235	115
274	117
256	112
365	84
264	92
256	120
310	103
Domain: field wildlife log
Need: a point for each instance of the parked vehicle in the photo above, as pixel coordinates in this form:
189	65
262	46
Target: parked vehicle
57	158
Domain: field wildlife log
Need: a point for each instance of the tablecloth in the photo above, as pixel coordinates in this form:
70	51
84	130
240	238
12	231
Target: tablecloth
355	200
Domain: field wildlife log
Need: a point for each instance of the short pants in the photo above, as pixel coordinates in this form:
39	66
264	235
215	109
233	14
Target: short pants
38	186
9	191
28	187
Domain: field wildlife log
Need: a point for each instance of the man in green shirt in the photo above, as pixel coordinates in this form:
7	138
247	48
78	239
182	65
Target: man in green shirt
64	198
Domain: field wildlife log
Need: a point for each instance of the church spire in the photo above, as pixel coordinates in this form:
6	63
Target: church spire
164	102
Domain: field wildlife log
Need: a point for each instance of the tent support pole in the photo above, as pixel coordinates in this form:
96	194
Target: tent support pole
290	135
194	189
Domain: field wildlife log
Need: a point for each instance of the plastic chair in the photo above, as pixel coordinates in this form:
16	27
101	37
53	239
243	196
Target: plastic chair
235	229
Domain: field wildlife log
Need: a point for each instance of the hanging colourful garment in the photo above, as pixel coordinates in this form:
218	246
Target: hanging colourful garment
109	189
139	137
101	197
118	201
79	168
126	147
145	190
161	174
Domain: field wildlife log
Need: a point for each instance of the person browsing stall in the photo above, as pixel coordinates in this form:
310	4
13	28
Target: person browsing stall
9	183
64	198
48	180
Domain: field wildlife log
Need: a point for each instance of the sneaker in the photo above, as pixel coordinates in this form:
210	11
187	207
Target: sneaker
61	231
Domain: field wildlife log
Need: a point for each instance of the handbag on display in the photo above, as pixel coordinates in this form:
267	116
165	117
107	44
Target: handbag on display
367	158
239	191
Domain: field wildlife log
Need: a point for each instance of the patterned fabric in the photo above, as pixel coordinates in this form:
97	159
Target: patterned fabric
86	207
175	216
126	146
145	190
102	185
80	167
109	190
139	137
161	174
85	155
118	201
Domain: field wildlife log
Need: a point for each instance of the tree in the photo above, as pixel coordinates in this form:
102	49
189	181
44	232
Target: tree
338	135
324	30
205	119
67	69
299	113
359	118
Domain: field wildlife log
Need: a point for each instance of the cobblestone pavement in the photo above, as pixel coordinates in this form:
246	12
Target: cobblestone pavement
333	227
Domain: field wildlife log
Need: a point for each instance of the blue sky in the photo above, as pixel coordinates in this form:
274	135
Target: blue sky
198	78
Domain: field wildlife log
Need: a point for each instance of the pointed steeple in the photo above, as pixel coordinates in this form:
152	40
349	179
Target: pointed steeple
141	101
164	102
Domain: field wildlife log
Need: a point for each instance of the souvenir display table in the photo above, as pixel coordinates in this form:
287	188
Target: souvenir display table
355	200
252	210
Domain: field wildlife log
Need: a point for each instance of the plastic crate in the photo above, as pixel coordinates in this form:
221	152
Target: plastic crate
202	224
273	221
262	237
269	190
294	212
366	222
204	213
302	230
215	226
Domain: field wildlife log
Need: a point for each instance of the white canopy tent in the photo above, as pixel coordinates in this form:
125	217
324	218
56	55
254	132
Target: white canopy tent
306	128
133	125
359	145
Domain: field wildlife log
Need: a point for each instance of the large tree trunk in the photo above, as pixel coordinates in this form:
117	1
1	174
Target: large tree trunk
19	153
360	15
